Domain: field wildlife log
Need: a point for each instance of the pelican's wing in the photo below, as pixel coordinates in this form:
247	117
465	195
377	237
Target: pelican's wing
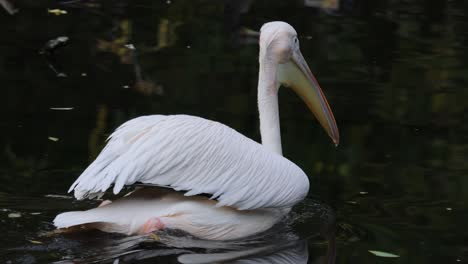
195	155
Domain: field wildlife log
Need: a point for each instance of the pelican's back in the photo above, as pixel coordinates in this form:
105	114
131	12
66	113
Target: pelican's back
195	155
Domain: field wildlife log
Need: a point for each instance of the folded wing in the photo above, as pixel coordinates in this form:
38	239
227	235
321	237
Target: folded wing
195	155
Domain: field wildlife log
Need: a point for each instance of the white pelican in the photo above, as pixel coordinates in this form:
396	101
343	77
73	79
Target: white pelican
252	186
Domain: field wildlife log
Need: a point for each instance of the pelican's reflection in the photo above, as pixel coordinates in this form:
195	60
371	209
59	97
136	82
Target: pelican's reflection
280	245
289	251
294	252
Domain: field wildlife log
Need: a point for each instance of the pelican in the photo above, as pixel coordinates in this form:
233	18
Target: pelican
212	182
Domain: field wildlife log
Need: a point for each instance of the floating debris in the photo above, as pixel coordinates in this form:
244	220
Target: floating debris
130	46
363	193
449	209
57	12
383	254
84	74
48	51
62	108
188	46
53	44
36	242
14	215
352	202
57	196
125	86
35	213
53	139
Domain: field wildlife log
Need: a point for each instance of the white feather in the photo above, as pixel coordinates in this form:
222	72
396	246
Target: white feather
196	155
195	215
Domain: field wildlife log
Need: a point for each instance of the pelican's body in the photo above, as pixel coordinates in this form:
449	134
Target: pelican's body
252	186
196	215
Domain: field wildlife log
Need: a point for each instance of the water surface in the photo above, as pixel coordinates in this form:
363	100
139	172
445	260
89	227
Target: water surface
394	73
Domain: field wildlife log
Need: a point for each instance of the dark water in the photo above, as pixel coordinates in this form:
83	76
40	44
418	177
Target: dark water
394	72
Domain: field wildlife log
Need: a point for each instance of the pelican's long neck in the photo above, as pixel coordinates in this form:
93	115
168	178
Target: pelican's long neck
268	104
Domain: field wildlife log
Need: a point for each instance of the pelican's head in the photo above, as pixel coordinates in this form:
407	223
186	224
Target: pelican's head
279	44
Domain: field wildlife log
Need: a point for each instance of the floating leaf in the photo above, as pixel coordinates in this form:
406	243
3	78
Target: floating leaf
61	108
51	45
53	139
57	196
14	215
130	46
35	242
57	12
383	254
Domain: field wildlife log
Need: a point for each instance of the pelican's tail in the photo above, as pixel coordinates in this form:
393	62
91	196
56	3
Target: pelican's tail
125	215
69	219
91	219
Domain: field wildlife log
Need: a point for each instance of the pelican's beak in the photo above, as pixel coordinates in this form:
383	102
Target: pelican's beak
297	75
